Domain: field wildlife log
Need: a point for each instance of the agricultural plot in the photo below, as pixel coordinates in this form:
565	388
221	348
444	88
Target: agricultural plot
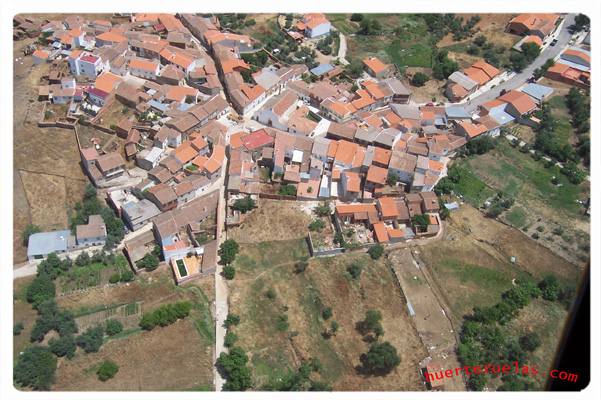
181	354
543	209
128	314
282	322
89	276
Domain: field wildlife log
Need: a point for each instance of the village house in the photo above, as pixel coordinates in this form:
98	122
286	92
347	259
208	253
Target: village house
375	67
541	25
143	68
314	25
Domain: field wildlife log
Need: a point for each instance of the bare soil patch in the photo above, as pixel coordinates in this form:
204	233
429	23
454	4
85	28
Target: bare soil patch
432	89
167	358
272	220
492	26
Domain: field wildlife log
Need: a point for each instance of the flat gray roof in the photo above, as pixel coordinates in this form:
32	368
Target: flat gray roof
44	243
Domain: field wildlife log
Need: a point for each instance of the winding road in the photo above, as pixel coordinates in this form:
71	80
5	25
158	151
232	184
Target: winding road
563	39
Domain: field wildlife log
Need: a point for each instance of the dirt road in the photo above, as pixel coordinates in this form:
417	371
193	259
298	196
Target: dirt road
430	313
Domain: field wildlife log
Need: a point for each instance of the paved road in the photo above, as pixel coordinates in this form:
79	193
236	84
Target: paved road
519	79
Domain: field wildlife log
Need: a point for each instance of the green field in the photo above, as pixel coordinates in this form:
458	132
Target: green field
481	282
516	217
472	188
265	255
563	129
404	41
507	169
343	23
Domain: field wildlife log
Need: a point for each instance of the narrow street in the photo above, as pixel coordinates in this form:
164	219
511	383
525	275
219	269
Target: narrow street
342	49
221	295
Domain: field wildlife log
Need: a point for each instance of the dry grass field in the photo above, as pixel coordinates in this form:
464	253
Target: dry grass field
302	296
265	263
167	358
272	220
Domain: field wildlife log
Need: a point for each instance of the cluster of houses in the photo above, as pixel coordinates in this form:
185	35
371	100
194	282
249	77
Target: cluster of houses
153	64
461	84
573	67
363	145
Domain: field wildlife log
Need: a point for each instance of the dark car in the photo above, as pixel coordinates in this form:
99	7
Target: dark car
554	42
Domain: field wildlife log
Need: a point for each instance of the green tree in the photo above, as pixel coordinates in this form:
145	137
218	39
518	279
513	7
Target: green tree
376	251
41	289
53	266
550	288
518	61
480	40
28	231
354	270
18	328
244	204
230	339
356	17
421	221
113	327
419	79
229	272
149	262
127	276
91	340
82	259
233	367
322	210
317	225
371	324
381	359
63	346
326	313
107	370
581	22
530	341
231	320
35	368
300	266
287	190
228	251
530	51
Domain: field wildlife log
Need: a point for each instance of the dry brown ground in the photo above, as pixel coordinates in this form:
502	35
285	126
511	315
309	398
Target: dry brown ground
272	220
434	327
324	283
432	88
167	358
464	60
492	26
47	175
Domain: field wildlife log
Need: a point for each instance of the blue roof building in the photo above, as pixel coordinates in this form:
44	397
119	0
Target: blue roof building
43	243
538	92
457	112
500	115
322	69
